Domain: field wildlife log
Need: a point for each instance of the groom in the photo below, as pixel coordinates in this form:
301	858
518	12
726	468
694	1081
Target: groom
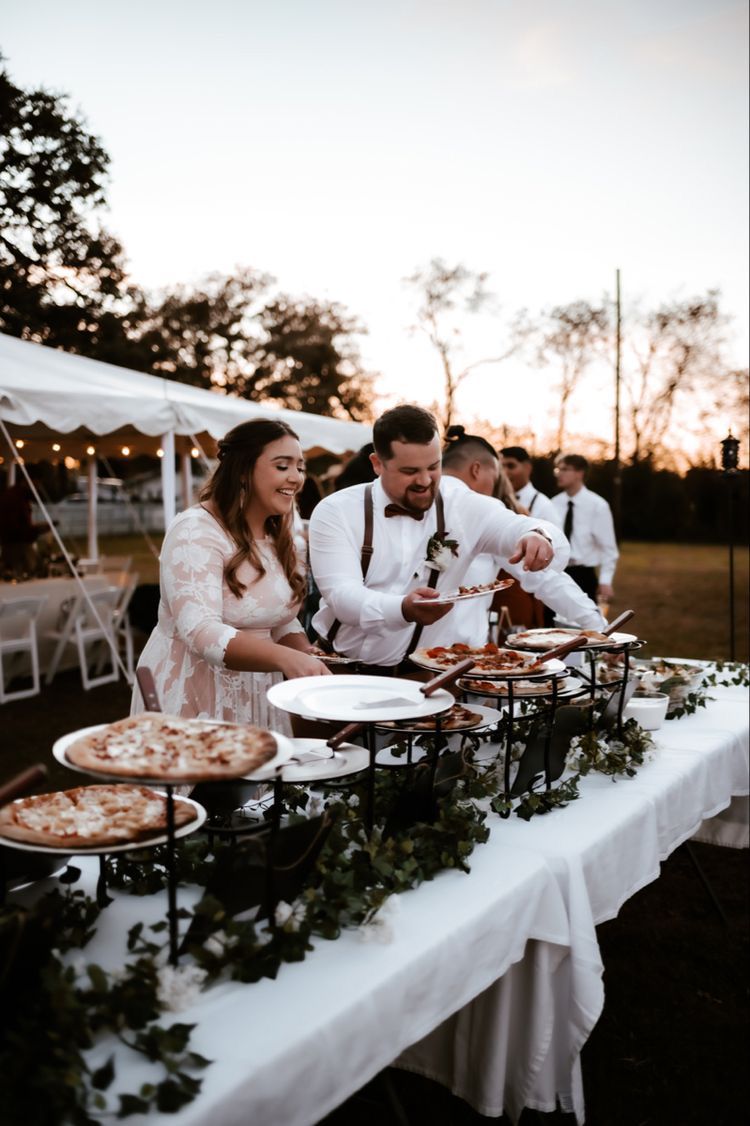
380	552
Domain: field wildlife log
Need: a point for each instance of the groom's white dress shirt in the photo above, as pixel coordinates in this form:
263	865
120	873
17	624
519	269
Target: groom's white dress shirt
373	628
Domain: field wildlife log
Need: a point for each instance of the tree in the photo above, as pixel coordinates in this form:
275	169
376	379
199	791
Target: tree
446	294
233	334
678	357
571	336
61	273
308	358
203	335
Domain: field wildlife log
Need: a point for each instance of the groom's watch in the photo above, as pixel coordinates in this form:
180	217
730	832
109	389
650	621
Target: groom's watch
544	535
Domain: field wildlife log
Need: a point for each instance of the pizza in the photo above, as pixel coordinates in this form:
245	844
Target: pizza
520	687
172	749
550	638
458	718
91	816
489	658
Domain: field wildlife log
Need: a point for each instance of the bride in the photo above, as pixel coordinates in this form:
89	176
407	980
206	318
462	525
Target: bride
231	587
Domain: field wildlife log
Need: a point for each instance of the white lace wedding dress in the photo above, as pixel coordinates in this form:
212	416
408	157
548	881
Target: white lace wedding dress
198	617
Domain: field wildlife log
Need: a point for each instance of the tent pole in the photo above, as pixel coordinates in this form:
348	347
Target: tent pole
168	478
93	547
187	480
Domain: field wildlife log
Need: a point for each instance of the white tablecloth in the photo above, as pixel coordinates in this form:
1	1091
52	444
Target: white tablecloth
494	978
601	849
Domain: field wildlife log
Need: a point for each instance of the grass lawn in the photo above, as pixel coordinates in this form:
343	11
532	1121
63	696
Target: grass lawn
680	593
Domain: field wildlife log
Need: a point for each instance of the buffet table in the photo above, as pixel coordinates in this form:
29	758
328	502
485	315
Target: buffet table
491	983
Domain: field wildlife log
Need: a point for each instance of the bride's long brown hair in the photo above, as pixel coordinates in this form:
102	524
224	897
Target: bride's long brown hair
238	452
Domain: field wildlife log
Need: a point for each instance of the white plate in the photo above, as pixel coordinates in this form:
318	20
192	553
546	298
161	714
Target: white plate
489	716
568	686
348	759
125	846
533	639
60	747
336	698
548	668
450	596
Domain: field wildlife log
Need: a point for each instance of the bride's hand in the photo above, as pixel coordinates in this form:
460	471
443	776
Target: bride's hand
295	663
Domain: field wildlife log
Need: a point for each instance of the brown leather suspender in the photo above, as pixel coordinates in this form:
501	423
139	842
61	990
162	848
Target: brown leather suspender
366	556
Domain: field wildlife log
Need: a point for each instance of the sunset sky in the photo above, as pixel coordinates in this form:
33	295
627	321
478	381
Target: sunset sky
340	145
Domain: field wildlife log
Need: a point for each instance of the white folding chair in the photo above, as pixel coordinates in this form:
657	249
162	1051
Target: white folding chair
18	617
95	626
122	628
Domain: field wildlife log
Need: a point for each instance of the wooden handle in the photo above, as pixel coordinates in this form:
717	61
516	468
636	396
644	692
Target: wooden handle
559	651
345	733
22	783
624	617
448	676
147	686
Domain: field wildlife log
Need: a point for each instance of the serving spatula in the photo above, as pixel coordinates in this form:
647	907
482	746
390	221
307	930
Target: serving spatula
620	620
440	681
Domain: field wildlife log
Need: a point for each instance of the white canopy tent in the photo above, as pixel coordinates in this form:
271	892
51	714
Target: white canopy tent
49	397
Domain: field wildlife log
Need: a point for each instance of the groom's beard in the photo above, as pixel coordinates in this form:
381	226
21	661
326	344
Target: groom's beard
419	499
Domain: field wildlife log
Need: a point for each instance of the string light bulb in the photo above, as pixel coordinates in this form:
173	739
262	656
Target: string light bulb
125	451
20	444
90	451
195	452
56	447
160	452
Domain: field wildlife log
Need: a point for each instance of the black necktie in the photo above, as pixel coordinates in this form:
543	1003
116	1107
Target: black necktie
397	510
568	525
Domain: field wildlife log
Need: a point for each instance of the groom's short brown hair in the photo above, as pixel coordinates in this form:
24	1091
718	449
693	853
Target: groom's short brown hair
406	423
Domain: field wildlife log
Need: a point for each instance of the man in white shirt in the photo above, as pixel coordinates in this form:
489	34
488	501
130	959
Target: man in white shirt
586	520
517	464
380	596
473	461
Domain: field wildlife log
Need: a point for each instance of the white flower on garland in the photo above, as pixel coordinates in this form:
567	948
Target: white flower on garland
218	942
441	551
288	916
353	801
179	986
315	806
378	925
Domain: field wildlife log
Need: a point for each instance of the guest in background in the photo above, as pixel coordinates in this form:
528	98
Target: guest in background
232	586
586	520
517	464
473	461
18	532
358	469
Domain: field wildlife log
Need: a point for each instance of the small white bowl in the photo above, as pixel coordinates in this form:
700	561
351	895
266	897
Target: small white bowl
649	711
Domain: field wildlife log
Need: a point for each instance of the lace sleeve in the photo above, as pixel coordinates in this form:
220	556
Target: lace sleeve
192	573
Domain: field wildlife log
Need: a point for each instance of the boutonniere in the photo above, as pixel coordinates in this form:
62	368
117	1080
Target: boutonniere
441	551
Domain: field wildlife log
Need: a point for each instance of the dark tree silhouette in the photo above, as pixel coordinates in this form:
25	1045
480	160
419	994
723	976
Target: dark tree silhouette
61	273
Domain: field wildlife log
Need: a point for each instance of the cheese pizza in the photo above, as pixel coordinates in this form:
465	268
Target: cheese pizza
172	749
488	659
91	817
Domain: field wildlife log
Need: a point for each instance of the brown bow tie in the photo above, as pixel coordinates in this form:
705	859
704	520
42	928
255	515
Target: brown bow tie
397	510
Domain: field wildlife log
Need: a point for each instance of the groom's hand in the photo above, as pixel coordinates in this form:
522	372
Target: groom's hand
416	609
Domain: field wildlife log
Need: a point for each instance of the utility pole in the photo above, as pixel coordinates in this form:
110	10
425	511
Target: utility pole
617	480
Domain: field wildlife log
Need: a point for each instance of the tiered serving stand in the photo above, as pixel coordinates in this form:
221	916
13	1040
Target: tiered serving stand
362	702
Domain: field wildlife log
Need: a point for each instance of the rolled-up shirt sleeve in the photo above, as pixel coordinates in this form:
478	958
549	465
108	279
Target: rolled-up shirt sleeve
335	556
192	574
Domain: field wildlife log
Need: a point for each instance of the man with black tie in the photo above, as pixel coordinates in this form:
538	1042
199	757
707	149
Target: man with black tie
586	520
